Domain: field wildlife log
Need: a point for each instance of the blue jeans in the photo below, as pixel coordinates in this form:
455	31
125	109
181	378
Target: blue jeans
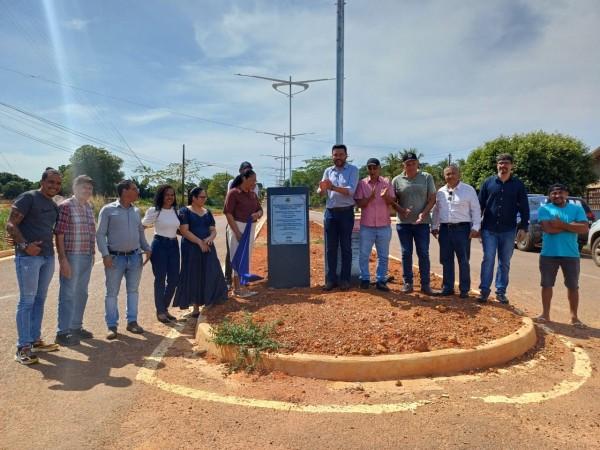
338	231
165	267
420	234
381	237
73	293
130	267
455	241
34	274
504	243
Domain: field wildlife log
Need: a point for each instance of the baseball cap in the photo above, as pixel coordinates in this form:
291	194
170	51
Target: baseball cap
558	187
245	165
373	161
410	157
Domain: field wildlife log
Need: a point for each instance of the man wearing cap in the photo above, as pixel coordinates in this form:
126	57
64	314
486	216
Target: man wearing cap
561	222
373	196
76	245
456	220
228	270
339	184
501	198
415	195
121	241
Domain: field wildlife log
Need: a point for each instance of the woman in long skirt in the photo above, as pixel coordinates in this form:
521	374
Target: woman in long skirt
201	278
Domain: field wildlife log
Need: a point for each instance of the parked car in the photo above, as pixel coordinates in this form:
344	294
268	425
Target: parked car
594	242
534	234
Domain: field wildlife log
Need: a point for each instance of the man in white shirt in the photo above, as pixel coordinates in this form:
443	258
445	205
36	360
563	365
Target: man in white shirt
456	220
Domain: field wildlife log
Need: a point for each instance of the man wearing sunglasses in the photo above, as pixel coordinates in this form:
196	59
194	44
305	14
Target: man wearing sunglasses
456	220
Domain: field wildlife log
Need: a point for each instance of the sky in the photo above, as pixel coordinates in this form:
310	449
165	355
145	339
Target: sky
142	78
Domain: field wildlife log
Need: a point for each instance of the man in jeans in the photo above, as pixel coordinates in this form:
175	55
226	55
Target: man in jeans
30	226
338	185
501	198
373	196
415	194
76	245
122	242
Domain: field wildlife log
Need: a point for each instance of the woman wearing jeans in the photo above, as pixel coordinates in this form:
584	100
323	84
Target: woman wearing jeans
165	249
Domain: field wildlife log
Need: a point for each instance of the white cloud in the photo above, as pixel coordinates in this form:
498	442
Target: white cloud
77	24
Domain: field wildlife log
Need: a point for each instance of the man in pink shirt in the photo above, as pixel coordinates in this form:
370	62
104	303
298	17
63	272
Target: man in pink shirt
374	196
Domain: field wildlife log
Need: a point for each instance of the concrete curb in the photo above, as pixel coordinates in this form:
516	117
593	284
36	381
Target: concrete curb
385	367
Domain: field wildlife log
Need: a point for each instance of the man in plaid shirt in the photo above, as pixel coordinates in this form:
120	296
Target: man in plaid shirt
76	245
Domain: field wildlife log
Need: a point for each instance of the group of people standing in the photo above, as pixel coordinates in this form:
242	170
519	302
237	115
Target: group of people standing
190	277
454	214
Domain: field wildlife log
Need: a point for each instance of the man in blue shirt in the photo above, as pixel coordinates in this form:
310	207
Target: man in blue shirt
338	184
501	198
561	222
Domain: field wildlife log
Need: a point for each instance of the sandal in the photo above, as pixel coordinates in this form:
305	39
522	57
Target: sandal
579	325
540	319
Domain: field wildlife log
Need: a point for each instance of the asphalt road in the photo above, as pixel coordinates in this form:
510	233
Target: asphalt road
88	396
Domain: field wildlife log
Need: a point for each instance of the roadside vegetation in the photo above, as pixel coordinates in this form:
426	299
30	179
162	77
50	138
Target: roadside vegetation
249	338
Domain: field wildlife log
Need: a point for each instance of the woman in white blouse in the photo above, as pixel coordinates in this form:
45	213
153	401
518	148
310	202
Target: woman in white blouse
165	249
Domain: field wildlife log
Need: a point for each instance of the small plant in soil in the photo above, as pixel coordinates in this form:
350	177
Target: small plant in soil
249	338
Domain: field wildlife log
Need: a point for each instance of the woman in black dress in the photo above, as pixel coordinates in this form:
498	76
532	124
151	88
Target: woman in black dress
201	279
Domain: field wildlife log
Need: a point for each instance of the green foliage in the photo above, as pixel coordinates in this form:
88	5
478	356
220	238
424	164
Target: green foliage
217	189
98	163
249	338
541	159
4	212
11	186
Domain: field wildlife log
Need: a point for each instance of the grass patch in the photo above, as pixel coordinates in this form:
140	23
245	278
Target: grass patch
4	212
249	338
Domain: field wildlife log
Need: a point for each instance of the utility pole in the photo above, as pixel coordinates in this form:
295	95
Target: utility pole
339	107
449	158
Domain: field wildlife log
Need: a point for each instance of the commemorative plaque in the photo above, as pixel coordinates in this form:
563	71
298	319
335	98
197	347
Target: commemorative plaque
288	240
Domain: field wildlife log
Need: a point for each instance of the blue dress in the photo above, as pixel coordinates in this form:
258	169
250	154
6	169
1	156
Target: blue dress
201	280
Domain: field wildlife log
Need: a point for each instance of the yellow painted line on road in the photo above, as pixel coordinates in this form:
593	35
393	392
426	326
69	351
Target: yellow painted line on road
582	368
147	374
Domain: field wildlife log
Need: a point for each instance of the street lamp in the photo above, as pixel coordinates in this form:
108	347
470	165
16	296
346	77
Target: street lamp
283	138
280	83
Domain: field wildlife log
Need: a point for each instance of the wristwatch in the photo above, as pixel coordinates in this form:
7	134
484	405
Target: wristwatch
23	245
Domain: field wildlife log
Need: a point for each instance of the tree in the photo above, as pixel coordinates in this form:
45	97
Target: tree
310	175
541	159
217	189
98	163
12	185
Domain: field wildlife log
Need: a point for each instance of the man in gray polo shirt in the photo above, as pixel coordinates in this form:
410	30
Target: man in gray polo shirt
415	196
122	242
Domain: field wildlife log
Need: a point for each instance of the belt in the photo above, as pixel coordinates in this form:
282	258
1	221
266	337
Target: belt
164	238
129	253
453	225
341	208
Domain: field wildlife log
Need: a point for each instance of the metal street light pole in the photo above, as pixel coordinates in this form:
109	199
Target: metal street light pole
280	83
285	137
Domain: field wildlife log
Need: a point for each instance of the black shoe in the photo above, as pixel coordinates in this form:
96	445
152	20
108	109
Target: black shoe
344	285
407	289
364	284
112	333
464	295
502	299
161	320
170	316
82	333
446	292
134	328
329	286
483	298
66	340
382	286
428	290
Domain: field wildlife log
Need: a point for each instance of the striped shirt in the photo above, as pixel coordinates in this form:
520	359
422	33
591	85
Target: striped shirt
76	222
